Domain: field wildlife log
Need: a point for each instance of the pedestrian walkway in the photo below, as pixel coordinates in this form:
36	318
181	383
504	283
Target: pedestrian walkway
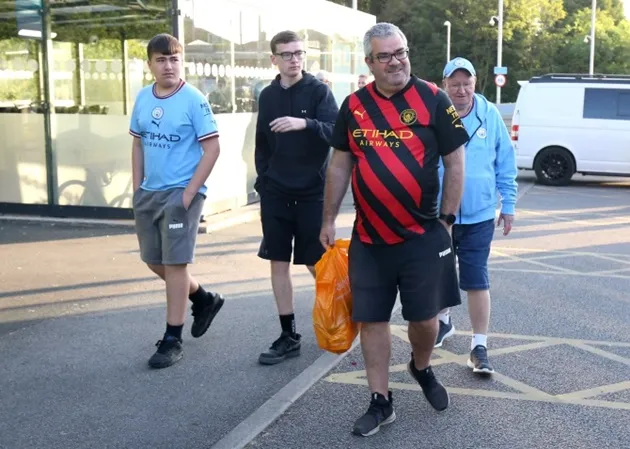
79	317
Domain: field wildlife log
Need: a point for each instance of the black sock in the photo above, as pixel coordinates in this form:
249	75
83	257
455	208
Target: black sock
174	331
288	323
200	296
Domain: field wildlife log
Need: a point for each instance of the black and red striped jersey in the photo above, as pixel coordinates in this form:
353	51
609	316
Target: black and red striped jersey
397	143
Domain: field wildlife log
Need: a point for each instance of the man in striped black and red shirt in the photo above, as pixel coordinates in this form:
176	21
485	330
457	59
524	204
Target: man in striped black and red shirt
389	138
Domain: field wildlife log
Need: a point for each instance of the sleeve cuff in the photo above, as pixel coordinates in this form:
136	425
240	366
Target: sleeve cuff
208	136
508	209
133	133
310	123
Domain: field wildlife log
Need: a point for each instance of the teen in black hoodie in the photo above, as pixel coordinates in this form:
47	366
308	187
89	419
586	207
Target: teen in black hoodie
293	164
296	117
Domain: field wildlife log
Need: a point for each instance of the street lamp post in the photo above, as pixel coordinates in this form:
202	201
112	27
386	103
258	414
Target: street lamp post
500	46
498	20
447	24
591	64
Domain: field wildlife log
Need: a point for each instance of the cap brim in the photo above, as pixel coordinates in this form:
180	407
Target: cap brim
449	74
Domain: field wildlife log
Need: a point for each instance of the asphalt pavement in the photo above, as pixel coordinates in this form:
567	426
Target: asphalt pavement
79	316
560	343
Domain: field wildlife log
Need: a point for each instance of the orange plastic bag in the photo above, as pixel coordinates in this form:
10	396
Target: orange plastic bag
332	312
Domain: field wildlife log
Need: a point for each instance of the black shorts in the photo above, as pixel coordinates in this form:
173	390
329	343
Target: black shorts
422	269
284	221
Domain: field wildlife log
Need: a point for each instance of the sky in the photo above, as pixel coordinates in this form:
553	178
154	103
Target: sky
626	7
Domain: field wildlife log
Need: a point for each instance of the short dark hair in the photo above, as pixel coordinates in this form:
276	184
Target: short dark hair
284	37
164	43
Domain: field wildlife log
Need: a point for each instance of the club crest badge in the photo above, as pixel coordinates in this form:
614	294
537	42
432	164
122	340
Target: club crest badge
157	113
408	117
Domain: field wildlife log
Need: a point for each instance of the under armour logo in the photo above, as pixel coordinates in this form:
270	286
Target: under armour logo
360	114
303	111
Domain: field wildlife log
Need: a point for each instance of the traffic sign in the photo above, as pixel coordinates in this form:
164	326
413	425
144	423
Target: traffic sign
500	70
500	80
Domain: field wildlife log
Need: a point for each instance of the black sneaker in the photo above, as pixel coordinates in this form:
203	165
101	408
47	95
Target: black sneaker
284	347
169	351
478	360
203	314
445	331
432	388
381	412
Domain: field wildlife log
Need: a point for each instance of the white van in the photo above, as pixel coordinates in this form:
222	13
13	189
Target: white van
565	124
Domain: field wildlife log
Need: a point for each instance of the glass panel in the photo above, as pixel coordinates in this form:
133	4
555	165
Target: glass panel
227	58
222	61
22	146
623	105
99	55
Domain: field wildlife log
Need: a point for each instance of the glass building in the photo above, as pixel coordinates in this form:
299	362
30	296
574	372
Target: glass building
70	71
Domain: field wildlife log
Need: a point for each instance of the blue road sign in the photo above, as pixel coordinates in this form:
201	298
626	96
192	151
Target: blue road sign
28	17
500	70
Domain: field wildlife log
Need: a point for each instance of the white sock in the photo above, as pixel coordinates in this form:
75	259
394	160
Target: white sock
478	339
444	317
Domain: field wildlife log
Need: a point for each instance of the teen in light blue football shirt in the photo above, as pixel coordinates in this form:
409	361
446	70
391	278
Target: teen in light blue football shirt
171	128
175	148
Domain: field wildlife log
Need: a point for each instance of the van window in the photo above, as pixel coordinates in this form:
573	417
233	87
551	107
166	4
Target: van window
624	105
610	104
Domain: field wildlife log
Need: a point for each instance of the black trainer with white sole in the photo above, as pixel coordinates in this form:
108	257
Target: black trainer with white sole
478	361
286	346
432	388
203	314
445	331
169	351
380	413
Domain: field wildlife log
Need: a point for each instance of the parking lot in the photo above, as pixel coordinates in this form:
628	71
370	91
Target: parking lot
79	315
560	343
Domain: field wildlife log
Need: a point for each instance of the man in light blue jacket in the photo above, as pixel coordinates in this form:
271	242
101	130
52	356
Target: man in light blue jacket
490	168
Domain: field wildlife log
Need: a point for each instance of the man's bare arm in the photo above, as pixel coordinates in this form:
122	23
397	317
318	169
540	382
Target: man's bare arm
137	163
453	187
337	181
211	150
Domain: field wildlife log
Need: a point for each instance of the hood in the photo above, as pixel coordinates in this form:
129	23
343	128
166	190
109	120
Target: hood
307	80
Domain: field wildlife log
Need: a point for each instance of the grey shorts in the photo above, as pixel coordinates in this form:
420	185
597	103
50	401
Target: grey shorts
167	232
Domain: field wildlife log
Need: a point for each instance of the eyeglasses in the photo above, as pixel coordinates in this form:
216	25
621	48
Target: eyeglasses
287	55
386	57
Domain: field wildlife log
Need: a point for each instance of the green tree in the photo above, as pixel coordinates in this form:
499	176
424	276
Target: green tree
539	36
612	43
472	36
531	33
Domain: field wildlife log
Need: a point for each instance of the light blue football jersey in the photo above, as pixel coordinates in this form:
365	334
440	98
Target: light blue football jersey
171	129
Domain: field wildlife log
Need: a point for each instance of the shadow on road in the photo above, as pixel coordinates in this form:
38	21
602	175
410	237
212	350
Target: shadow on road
25	232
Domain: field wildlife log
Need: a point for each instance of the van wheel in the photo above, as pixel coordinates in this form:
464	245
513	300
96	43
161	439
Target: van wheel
554	167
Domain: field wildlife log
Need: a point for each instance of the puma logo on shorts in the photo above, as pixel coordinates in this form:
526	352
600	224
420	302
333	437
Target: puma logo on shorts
167	231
